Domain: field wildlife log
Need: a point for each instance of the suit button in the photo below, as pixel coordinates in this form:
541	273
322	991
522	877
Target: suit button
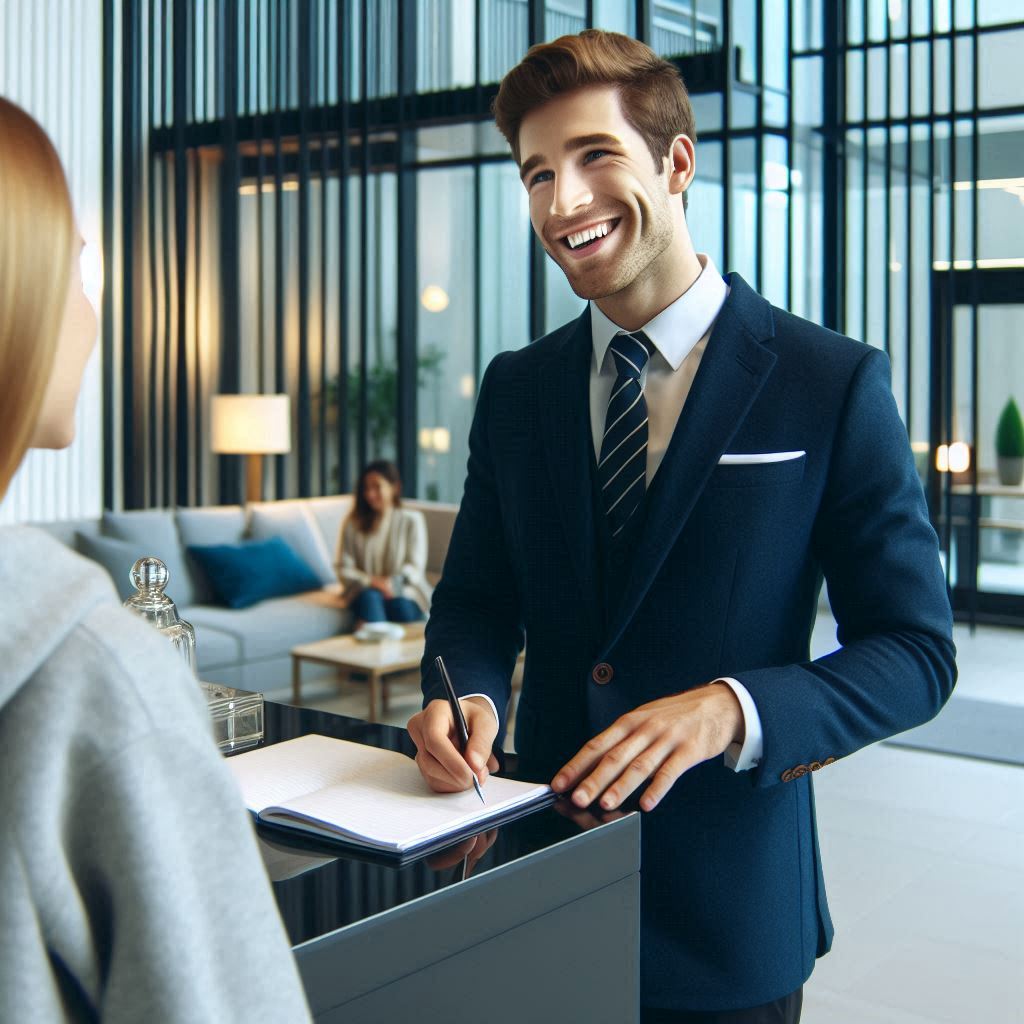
602	673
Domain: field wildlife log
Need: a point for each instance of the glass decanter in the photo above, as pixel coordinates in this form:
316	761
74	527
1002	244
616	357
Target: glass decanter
150	576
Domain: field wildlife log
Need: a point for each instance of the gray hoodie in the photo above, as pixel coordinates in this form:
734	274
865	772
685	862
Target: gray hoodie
131	888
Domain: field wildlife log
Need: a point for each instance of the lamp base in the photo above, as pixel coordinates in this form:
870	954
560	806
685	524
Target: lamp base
253	478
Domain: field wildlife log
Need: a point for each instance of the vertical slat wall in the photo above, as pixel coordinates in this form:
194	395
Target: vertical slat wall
233	121
50	58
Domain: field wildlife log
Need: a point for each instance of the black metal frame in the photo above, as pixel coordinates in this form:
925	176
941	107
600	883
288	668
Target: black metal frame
311	134
960	514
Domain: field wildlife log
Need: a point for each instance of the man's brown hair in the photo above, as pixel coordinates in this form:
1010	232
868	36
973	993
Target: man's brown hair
654	98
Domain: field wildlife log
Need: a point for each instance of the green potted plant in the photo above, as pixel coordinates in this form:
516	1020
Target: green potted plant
1010	445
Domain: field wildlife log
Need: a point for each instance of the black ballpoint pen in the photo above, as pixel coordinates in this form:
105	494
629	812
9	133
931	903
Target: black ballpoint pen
461	729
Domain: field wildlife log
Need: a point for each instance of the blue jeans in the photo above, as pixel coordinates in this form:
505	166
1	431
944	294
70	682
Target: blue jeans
372	606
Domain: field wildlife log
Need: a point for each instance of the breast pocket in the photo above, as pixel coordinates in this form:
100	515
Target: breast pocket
758	474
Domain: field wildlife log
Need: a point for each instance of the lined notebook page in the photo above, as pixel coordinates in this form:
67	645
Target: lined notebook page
364	793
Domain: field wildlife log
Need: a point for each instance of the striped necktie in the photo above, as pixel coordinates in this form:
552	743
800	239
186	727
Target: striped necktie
622	464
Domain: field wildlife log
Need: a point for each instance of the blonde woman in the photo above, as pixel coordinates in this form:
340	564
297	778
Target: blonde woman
132	886
382	551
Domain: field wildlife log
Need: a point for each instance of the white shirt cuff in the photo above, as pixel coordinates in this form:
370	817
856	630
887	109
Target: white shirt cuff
741	758
495	710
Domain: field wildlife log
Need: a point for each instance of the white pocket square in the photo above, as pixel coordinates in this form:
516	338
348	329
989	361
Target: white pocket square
759	457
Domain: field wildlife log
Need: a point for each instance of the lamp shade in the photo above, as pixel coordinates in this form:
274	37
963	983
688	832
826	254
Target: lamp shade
250	424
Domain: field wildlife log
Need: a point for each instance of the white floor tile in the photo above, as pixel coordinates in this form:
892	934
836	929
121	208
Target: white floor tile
946	982
917	781
823	1006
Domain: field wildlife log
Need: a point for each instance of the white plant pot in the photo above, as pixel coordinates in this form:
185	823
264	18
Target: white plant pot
1011	470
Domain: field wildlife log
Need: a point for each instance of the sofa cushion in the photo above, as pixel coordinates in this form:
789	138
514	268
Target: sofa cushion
117	557
215	524
273	627
243	574
67	530
293	522
199	527
329	514
440	518
153	532
214	647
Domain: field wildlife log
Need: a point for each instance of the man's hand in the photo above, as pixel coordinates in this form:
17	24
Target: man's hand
383	584
439	760
657	741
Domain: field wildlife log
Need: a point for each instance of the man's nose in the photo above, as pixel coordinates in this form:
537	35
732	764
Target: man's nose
570	194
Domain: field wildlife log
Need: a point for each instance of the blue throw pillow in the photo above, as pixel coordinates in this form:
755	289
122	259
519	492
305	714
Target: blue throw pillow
243	574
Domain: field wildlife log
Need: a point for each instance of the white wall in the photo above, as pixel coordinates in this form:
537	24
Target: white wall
51	64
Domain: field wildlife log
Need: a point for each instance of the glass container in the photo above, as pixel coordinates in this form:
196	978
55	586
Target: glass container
150	577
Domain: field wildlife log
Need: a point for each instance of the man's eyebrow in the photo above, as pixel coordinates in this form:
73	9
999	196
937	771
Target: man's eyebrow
578	142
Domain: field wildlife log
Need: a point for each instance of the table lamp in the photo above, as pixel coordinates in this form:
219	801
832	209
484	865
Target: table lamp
254	426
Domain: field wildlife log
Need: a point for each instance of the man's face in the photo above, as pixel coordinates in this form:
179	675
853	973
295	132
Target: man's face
587	170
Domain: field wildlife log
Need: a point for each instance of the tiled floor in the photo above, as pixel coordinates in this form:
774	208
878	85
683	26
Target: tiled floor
924	858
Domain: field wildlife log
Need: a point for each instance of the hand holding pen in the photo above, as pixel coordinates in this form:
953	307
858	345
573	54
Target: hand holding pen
448	762
461	730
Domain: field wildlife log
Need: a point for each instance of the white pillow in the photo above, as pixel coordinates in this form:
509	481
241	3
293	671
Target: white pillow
293	522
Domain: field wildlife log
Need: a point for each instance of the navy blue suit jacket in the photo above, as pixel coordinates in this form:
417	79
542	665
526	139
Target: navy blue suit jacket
723	581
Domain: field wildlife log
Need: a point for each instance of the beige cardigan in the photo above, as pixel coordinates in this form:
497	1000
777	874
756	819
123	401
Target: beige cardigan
397	548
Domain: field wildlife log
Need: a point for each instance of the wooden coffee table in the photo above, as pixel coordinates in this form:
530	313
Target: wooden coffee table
373	662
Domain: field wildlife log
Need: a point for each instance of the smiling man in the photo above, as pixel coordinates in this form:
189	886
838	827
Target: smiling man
654	494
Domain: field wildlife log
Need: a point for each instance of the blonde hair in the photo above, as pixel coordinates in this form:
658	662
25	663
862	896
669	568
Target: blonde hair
37	237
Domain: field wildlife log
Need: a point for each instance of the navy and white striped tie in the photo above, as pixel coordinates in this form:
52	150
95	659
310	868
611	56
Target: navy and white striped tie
622	464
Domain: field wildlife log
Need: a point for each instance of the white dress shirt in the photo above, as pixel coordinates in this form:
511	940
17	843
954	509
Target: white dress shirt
680	335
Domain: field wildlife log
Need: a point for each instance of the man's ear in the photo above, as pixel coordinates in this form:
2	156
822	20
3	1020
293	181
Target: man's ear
682	164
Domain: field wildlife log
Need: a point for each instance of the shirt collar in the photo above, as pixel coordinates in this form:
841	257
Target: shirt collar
678	327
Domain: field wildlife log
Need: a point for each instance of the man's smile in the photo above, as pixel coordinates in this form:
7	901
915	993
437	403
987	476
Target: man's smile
589	239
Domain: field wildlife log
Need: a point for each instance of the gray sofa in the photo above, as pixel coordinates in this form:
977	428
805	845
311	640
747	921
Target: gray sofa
247	647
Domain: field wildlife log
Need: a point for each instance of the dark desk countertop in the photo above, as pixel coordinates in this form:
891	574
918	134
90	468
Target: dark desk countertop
321	888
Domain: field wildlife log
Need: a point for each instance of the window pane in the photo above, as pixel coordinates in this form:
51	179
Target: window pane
775	210
855	85
563	304
503	36
920	86
379	266
898	82
743	210
564	17
705	207
446	327
445	36
1001	189
615	15
999	53
853	270
505	234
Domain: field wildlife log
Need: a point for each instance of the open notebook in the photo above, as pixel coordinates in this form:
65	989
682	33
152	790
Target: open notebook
372	798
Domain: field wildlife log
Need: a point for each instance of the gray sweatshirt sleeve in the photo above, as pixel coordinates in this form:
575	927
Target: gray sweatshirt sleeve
190	930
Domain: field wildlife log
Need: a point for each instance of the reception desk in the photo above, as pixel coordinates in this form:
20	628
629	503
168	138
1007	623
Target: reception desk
544	926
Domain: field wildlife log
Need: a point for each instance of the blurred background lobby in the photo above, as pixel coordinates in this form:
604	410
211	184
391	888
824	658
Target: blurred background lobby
309	198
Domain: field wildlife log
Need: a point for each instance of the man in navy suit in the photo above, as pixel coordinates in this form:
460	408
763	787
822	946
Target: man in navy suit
654	494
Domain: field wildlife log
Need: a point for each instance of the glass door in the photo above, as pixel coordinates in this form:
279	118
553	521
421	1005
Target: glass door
976	466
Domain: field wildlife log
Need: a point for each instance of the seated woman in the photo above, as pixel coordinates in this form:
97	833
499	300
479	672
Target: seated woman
132	885
382	551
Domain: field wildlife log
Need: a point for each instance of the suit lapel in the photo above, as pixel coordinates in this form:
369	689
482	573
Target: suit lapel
731	374
565	420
